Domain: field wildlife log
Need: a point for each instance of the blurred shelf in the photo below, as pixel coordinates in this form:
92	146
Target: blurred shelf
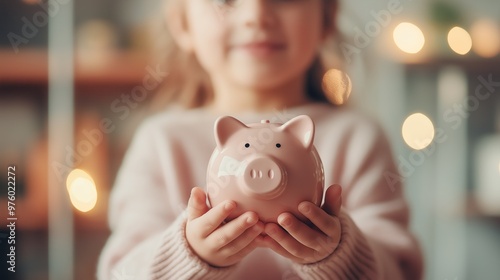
31	67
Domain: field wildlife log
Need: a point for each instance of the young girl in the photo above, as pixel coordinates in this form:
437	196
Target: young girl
254	59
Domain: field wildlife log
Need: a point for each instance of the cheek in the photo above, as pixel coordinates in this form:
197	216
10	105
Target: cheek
208	35
209	50
306	32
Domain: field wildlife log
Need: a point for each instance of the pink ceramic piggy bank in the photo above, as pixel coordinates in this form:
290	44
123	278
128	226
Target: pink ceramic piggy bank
265	167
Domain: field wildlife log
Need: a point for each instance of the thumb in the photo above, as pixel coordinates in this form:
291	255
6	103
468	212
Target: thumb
333	200
197	205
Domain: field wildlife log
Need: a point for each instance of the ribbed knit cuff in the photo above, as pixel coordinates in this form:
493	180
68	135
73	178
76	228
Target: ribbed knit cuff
353	258
176	260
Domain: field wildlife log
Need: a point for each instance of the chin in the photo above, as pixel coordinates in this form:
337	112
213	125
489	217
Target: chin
263	80
263	84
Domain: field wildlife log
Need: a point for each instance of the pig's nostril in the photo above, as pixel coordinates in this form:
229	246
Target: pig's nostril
263	178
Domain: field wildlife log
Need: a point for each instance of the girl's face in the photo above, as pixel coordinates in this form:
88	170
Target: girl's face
257	44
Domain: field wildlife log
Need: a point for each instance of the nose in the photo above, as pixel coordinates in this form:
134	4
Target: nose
257	13
263	178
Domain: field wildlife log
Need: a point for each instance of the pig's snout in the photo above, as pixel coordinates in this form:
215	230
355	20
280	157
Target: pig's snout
263	178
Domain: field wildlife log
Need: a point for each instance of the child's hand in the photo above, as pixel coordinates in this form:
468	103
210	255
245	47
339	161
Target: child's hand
302	243
216	243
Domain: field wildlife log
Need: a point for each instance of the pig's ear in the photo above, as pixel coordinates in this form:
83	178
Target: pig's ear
302	127
225	127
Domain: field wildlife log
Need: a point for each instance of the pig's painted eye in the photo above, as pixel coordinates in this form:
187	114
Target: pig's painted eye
247	145
278	145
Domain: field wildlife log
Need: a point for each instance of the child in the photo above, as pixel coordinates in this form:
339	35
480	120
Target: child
252	59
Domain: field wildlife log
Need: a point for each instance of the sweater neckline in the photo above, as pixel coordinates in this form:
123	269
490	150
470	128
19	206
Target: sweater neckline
272	115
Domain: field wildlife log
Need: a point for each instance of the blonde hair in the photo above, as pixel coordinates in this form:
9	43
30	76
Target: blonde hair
189	85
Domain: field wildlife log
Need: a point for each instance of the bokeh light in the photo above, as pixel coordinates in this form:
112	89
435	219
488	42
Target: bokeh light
459	40
418	131
337	86
486	38
82	190
96	44
408	37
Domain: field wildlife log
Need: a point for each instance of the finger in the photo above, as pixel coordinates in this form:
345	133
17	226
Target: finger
286	241
270	243
243	240
333	200
197	205
302	233
256	242
326	223
233	229
211	220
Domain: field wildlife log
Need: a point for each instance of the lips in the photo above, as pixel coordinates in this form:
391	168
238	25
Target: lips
262	47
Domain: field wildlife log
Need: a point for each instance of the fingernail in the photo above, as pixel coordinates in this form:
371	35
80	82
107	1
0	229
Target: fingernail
286	222
191	195
251	219
338	189
229	206
304	208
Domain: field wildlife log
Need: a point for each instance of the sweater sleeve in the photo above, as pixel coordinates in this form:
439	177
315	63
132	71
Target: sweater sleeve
353	258
147	233
174	259
376	242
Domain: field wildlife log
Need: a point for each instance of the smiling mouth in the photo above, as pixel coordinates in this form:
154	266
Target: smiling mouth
262	48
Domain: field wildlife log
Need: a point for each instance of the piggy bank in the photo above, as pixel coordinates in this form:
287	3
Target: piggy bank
265	167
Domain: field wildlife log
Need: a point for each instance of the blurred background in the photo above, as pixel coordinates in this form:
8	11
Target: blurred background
72	92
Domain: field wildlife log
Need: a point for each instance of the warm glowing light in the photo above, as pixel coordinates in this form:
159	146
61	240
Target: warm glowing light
486	38
82	190
337	86
459	40
408	37
96	42
418	131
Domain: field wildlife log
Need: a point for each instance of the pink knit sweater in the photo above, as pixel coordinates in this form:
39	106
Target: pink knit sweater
169	156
